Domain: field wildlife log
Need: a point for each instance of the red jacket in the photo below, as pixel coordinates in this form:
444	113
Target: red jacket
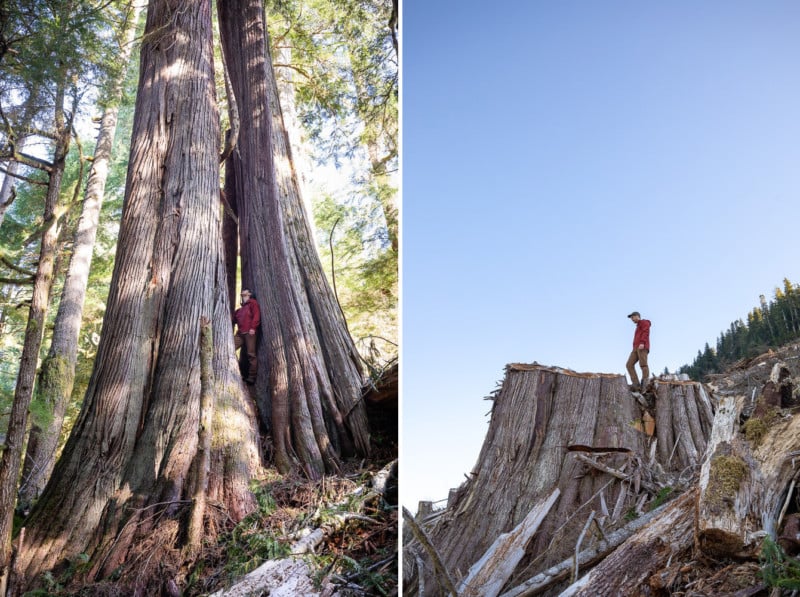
642	334
248	316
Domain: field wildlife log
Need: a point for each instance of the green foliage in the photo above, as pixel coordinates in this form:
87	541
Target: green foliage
375	579
342	69
342	65
364	272
777	568
769	325
55	584
630	515
251	543
661	497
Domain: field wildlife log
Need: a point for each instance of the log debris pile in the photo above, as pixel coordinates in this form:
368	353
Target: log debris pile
584	488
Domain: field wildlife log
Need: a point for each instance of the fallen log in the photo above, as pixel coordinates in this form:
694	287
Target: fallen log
277	578
561	571
719	531
488	575
630	567
748	472
308	538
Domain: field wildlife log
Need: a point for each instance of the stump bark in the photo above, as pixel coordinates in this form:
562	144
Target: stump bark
684	416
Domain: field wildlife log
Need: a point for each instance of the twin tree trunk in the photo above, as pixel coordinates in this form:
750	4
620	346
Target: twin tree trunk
130	455
312	388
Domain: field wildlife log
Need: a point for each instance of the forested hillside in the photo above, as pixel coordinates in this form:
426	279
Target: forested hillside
155	161
769	325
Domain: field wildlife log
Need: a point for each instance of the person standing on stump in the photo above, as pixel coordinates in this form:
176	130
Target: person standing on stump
247	318
641	348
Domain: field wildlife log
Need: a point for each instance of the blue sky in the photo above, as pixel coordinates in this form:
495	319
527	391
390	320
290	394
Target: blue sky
567	162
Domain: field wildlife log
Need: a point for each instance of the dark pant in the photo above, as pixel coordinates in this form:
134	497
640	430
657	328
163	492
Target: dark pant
249	342
640	356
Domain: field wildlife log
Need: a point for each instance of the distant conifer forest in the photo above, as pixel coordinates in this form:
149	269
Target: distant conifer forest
768	325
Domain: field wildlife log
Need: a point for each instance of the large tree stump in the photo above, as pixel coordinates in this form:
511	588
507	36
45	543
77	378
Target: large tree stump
543	420
584	434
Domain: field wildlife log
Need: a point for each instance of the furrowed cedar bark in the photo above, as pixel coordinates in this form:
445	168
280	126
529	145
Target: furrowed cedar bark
297	393
130	453
341	380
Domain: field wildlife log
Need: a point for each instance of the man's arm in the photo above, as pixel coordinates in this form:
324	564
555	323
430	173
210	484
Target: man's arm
256	313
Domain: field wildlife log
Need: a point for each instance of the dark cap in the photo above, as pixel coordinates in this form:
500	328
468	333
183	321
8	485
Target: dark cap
634	313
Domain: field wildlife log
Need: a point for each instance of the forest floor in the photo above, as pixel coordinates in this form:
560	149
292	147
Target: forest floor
347	526
357	554
340	531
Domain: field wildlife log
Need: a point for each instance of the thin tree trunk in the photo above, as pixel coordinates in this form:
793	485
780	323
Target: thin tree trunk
128	459
378	156
23	394
57	373
7	190
203	460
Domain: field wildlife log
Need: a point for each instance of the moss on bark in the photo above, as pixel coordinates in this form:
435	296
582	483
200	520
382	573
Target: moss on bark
725	477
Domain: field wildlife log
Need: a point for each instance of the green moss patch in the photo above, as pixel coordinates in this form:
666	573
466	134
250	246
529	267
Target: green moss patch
725	477
756	428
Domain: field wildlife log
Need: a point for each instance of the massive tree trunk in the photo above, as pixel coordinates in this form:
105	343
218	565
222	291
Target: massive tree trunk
298	393
605	461
322	316
57	373
23	393
128	461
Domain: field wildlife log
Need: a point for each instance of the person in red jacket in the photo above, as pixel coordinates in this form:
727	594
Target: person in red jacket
641	348
247	318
